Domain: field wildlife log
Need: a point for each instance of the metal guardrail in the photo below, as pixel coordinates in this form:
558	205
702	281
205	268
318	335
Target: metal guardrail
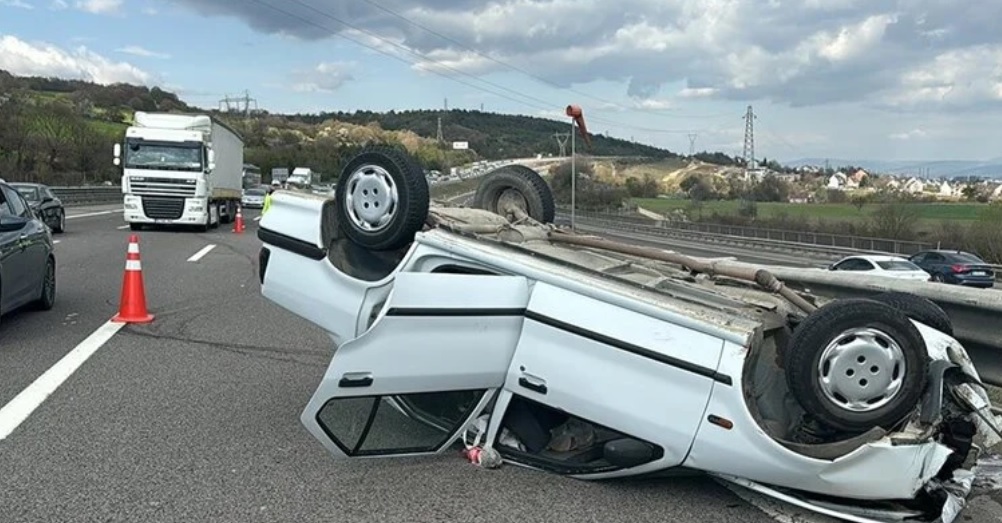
665	229
73	196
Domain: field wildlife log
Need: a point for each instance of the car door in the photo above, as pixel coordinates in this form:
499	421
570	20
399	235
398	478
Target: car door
34	235
15	263
432	360
643	377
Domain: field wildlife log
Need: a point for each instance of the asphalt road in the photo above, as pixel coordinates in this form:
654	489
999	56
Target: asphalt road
195	417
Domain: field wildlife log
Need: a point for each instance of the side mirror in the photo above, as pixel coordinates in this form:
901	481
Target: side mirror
118	154
212	160
47	199
10	223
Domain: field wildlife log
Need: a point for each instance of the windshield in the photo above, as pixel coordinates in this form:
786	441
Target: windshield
254	192
963	257
163	156
29	193
898	265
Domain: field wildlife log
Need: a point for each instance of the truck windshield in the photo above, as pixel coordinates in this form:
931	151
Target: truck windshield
163	156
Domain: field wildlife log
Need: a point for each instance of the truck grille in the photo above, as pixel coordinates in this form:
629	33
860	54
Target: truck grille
142	186
163	208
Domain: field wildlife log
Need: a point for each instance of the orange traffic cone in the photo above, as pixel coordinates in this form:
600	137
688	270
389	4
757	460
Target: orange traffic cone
132	308
238	226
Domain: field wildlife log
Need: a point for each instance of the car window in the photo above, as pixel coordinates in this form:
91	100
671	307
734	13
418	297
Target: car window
29	193
934	257
16	203
898	265
4	207
964	257
854	264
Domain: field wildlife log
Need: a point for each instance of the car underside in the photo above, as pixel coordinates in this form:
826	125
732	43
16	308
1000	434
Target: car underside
864	409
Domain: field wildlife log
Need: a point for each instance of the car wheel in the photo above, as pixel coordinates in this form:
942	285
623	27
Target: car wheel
382	198
518	185
922	310
61	224
47	297
855	364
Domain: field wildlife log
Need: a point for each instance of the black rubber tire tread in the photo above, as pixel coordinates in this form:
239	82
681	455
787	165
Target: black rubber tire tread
922	310
413	191
824	324
529	183
41	303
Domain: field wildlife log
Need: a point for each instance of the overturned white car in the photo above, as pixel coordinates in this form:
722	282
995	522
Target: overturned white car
594	359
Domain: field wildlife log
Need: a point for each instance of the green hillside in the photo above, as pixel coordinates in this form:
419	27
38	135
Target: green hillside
492	135
61	132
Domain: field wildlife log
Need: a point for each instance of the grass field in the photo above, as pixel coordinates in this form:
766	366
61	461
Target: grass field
928	212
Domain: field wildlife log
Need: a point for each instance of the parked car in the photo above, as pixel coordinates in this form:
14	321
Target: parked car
955	267
44	204
877	265
27	262
253	198
595	359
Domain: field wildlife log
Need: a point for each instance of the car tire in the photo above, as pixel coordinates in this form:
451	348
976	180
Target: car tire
61	224
856	364
47	295
520	185
382	198
922	310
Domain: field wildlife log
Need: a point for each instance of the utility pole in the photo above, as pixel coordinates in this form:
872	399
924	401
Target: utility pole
439	136
446	104
562	142
749	148
692	143
239	104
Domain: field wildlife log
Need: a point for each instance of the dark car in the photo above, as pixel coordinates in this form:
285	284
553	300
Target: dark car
955	267
27	263
44	203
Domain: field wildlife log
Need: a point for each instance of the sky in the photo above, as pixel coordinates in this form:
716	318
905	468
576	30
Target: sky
857	79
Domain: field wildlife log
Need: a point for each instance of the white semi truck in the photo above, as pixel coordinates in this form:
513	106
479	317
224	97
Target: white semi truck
180	169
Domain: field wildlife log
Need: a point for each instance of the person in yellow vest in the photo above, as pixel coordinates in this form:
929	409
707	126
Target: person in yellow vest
267	200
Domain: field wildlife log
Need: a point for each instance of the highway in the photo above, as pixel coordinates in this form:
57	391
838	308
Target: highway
195	417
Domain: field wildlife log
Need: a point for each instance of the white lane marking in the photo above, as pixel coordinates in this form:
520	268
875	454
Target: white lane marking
198	255
19	408
98	213
120	227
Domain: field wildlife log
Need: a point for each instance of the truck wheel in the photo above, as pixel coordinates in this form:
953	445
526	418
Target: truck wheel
855	364
382	198
518	185
922	310
136	226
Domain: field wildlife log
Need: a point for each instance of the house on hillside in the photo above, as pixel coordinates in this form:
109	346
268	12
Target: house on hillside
838	181
859	176
913	185
997	192
945	189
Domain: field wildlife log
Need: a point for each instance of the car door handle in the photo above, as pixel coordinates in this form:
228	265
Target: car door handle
348	381
535	387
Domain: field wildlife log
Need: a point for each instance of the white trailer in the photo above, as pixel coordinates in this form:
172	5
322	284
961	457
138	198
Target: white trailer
180	169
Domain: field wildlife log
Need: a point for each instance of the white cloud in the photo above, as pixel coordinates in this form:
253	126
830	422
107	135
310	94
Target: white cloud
798	52
16	3
44	59
908	135
136	50
59	5
326	77
99	6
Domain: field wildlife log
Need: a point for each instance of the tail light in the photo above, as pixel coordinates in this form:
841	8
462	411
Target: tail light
958	268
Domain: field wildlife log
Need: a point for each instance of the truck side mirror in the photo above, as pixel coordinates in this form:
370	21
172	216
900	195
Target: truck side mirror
212	160
118	153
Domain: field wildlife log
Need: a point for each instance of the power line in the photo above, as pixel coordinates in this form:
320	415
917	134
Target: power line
692	143
513	67
547	106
